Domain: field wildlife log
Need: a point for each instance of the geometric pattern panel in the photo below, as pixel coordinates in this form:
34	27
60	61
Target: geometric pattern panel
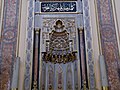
88	39
29	46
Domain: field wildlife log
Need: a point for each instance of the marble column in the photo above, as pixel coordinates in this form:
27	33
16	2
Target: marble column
15	77
82	51
36	59
104	79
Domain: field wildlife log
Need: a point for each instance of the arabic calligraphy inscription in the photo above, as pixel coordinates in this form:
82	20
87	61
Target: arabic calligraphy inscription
58	7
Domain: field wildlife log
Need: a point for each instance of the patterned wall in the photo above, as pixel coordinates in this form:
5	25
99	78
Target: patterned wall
9	38
8	42
109	42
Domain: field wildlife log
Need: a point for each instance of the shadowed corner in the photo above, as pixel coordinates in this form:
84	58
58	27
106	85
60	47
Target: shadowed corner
118	73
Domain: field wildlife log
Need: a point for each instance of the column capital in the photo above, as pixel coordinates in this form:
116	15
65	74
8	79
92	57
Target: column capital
80	29
37	30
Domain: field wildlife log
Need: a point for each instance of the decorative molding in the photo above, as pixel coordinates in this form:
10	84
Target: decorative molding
88	40
29	47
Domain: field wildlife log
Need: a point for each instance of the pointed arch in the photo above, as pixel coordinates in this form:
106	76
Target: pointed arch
50	77
76	75
60	78
69	78
43	77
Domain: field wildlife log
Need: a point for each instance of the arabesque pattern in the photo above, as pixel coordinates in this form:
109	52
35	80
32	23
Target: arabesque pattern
8	42
109	42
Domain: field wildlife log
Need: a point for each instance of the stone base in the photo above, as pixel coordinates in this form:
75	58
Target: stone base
14	89
105	88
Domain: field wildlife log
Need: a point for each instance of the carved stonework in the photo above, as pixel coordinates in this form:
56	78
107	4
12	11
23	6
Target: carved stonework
47	27
59	41
49	23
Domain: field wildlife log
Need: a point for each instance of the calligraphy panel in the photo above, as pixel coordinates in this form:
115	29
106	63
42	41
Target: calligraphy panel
58	7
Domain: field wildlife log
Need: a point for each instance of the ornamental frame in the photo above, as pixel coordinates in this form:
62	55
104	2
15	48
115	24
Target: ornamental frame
29	43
